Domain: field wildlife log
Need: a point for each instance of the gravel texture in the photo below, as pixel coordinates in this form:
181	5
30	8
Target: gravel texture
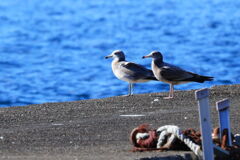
99	128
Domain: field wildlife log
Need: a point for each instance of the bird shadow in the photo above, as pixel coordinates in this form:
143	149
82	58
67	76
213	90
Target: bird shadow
158	95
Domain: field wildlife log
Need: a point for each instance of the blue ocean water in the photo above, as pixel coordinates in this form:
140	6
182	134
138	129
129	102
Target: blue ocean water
53	51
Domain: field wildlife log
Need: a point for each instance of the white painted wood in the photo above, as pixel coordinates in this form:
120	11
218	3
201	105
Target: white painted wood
205	123
224	118
202	93
223	104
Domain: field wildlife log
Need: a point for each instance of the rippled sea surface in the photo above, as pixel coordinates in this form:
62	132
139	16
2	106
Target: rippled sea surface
53	51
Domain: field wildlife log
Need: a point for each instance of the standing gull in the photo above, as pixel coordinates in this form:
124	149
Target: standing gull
128	71
171	74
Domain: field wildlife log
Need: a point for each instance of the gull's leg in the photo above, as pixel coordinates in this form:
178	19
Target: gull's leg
131	88
171	90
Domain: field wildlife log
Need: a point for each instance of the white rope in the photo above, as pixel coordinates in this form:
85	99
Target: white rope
142	136
176	132
237	139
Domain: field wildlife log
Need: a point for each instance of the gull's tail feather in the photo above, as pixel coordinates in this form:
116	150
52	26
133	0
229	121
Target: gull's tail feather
152	78
199	78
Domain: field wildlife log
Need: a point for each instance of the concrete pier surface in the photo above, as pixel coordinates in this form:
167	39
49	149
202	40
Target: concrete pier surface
99	128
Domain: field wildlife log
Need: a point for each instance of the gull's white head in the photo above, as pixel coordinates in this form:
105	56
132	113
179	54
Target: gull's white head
117	54
155	55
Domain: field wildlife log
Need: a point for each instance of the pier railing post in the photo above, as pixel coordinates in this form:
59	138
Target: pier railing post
224	119
205	123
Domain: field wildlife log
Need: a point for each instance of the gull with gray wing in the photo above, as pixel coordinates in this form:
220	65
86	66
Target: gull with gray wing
129	71
171	74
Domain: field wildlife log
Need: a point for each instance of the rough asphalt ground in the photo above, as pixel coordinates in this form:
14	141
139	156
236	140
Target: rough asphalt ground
99	128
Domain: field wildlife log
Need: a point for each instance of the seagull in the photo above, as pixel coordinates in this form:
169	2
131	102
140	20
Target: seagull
129	71
172	74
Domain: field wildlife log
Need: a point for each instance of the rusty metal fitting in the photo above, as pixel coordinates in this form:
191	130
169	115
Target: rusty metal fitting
224	139
215	135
